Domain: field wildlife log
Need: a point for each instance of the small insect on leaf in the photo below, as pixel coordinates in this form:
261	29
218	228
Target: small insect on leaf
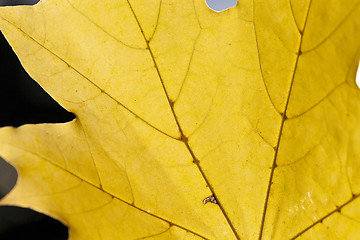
211	199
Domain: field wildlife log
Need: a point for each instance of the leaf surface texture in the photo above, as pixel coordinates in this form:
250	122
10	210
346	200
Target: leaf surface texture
256	105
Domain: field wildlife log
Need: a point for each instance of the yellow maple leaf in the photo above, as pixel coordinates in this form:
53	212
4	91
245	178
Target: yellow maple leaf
256	106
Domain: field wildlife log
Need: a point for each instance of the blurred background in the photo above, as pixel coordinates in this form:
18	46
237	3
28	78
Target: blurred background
23	101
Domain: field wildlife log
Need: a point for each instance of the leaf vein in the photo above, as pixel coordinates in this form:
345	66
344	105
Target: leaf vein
98	26
259	59
188	67
293	16
155	235
182	138
206	115
319	102
157	23
274	165
91	82
320	220
92	157
337	27
94	209
102	190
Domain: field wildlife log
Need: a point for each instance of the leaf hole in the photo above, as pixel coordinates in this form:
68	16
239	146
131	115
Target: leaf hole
8	178
18	2
22	100
220	5
23	223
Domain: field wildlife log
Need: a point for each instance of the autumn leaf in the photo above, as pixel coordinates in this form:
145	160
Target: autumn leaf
255	107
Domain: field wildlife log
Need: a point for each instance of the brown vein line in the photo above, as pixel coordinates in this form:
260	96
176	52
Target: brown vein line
283	43
349	217
47	194
157	22
281	129
303	157
98	26
256	131
96	168
293	16
346	165
59	150
206	115
155	234
183	138
334	30
104	191
93	209
197	162
89	148
91	82
128	179
320	101
196	15
261	71
188	67
338	209
332	90
343	167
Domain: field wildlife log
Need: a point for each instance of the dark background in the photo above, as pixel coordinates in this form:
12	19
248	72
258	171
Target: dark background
23	101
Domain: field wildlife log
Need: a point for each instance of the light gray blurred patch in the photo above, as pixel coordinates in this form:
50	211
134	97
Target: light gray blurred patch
8	177
220	5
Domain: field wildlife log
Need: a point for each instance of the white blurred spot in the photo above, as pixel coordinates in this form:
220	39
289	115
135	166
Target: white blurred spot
220	5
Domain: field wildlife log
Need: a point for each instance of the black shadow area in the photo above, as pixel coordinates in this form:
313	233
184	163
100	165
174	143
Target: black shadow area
25	224
8	178
17	2
22	100
21	223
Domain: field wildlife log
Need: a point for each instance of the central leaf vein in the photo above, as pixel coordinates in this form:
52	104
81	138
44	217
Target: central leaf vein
274	164
182	138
